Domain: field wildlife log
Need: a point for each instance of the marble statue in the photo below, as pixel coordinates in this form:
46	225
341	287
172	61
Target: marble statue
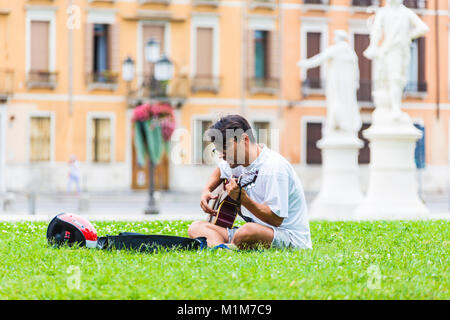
340	191
342	82
397	26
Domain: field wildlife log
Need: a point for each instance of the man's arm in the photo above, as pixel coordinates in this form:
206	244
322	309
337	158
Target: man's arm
213	182
262	211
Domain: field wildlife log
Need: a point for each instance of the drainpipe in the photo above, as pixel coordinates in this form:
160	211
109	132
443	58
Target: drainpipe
438	99
280	72
243	106
70	65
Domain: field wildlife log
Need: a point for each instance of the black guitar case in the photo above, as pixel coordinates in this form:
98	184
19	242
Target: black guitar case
149	243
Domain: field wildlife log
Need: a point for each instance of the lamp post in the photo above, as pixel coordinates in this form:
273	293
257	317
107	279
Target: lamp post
163	71
152	52
128	73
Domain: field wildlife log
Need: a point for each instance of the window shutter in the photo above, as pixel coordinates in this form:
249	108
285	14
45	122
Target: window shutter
313	134
39	50
40	139
312	49
101	140
262	130
89	49
364	93
273	55
113	47
204	51
250	54
421	76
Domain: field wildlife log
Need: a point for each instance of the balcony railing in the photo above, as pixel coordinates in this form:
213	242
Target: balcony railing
263	85
311	86
42	79
205	83
415	4
179	88
155	1
322	2
265	4
210	3
152	88
107	1
365	3
173	91
415	89
6	84
106	80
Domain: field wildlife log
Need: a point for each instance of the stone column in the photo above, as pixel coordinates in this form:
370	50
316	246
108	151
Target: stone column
393	190
340	191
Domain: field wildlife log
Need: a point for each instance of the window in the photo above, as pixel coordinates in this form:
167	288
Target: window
204	79
261	56
365	3
419	153
101	140
416	72
100	51
39	74
365	67
205	53
313	40
415	4
39	46
314	134
262	132
263	61
203	148
40	135
101	57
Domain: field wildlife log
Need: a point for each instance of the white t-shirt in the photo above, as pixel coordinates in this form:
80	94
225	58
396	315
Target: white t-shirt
278	187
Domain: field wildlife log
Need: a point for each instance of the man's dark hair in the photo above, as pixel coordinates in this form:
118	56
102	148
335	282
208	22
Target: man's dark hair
235	124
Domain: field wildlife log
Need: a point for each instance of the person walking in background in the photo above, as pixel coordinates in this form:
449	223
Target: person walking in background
74	174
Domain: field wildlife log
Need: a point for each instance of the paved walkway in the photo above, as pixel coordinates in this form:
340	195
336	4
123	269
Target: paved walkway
130	205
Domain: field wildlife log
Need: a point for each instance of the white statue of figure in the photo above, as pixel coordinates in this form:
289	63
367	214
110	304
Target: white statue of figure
397	25
342	82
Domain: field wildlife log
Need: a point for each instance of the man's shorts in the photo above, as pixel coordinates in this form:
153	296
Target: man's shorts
281	238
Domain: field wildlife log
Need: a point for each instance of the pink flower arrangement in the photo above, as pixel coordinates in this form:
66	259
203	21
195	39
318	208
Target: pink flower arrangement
159	111
141	113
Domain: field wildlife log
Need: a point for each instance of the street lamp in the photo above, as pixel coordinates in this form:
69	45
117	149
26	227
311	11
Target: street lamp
152	50
163	71
128	69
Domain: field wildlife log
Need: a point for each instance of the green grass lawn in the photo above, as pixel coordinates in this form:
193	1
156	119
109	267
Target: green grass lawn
350	260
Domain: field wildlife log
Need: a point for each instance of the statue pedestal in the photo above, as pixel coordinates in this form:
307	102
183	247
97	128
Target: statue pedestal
340	191
393	191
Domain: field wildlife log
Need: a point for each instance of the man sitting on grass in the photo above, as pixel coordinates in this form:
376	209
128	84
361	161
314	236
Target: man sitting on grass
276	204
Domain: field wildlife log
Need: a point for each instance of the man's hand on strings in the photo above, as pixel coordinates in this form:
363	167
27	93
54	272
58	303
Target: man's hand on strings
206	196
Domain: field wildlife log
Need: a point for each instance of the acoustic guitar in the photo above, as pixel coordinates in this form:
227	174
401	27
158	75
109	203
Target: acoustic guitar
227	208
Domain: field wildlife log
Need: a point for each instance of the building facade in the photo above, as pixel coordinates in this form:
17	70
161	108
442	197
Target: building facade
62	91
